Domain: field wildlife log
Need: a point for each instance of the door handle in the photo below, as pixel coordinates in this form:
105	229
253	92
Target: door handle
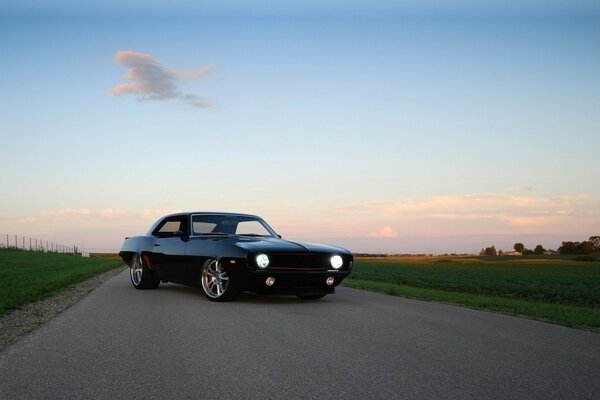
156	245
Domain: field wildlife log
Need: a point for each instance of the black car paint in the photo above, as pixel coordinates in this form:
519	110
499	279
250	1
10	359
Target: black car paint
298	268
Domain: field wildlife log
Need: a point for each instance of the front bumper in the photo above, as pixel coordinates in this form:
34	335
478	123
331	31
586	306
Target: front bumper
293	282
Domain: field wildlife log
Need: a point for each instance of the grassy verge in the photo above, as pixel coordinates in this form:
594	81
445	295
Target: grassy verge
30	276
555	290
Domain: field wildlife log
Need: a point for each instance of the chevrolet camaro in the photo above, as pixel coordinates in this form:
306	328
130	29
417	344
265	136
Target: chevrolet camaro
226	253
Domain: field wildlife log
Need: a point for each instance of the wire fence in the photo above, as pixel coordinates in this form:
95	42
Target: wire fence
27	243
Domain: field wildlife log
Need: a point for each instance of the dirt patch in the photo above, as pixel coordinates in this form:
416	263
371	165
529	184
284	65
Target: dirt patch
19	323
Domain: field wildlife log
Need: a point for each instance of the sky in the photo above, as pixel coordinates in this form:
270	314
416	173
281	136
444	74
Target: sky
381	126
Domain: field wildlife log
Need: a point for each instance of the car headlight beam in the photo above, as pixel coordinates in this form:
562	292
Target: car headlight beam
336	262
262	260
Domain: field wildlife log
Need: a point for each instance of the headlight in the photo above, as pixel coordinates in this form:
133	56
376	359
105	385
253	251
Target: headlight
262	260
336	262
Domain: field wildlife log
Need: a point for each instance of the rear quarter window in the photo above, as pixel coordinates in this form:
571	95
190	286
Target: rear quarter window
168	228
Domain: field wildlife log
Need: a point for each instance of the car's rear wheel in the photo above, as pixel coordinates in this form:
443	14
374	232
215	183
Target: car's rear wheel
216	283
311	296
141	276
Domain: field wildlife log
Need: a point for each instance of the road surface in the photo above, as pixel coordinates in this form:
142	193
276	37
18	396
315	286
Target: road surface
172	343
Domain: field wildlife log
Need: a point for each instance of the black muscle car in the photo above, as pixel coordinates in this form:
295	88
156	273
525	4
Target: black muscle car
225	253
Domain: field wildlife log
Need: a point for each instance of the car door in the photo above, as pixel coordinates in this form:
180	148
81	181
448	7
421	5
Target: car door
168	254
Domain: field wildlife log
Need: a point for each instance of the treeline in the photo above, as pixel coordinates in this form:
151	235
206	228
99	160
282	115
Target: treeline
518	248
539	249
590	246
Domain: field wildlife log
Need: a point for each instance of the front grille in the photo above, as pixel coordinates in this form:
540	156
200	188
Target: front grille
298	262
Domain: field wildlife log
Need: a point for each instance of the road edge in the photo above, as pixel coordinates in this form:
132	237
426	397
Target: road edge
22	322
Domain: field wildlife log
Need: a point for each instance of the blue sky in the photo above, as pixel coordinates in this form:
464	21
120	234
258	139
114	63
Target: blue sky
376	125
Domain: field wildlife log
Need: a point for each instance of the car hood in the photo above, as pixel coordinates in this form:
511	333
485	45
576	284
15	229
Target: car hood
256	244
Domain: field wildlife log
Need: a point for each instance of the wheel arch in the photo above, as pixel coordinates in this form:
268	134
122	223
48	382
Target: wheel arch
135	245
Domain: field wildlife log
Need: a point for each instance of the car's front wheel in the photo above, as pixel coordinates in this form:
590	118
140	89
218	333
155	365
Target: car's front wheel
216	283
141	276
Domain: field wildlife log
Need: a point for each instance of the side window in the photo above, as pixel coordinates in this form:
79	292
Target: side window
170	226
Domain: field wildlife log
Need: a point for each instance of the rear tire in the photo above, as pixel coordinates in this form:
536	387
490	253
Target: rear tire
141	276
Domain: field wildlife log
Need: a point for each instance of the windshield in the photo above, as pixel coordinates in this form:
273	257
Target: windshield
228	224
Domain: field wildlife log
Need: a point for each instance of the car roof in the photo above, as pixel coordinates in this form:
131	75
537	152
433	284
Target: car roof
210	213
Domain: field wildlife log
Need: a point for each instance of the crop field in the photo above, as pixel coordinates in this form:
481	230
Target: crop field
28	276
551	288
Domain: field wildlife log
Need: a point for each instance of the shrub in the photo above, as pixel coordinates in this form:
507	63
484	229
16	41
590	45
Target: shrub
585	258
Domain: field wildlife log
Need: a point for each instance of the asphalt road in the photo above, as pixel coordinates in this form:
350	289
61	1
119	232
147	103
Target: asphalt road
172	343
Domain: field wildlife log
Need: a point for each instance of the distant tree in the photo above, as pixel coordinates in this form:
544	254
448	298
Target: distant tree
539	249
519	247
595	241
488	251
585	247
568	248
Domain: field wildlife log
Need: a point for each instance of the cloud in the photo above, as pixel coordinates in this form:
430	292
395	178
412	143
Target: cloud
479	205
78	218
478	213
385	232
149	80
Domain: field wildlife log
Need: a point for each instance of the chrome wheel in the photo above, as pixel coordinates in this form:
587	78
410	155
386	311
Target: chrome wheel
214	279
141	276
136	270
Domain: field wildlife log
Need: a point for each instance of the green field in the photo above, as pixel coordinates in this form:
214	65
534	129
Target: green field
555	289
27	276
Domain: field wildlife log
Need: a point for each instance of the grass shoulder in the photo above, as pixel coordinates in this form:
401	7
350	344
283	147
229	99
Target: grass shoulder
28	276
552	289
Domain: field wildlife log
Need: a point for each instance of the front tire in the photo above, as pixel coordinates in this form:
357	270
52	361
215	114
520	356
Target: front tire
141	276
216	283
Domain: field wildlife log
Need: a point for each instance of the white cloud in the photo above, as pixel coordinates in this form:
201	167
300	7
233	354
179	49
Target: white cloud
479	206
149	80
102	229
385	232
480	213
83	214
456	218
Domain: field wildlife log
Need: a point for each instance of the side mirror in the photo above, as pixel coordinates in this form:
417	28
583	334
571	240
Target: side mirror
182	235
